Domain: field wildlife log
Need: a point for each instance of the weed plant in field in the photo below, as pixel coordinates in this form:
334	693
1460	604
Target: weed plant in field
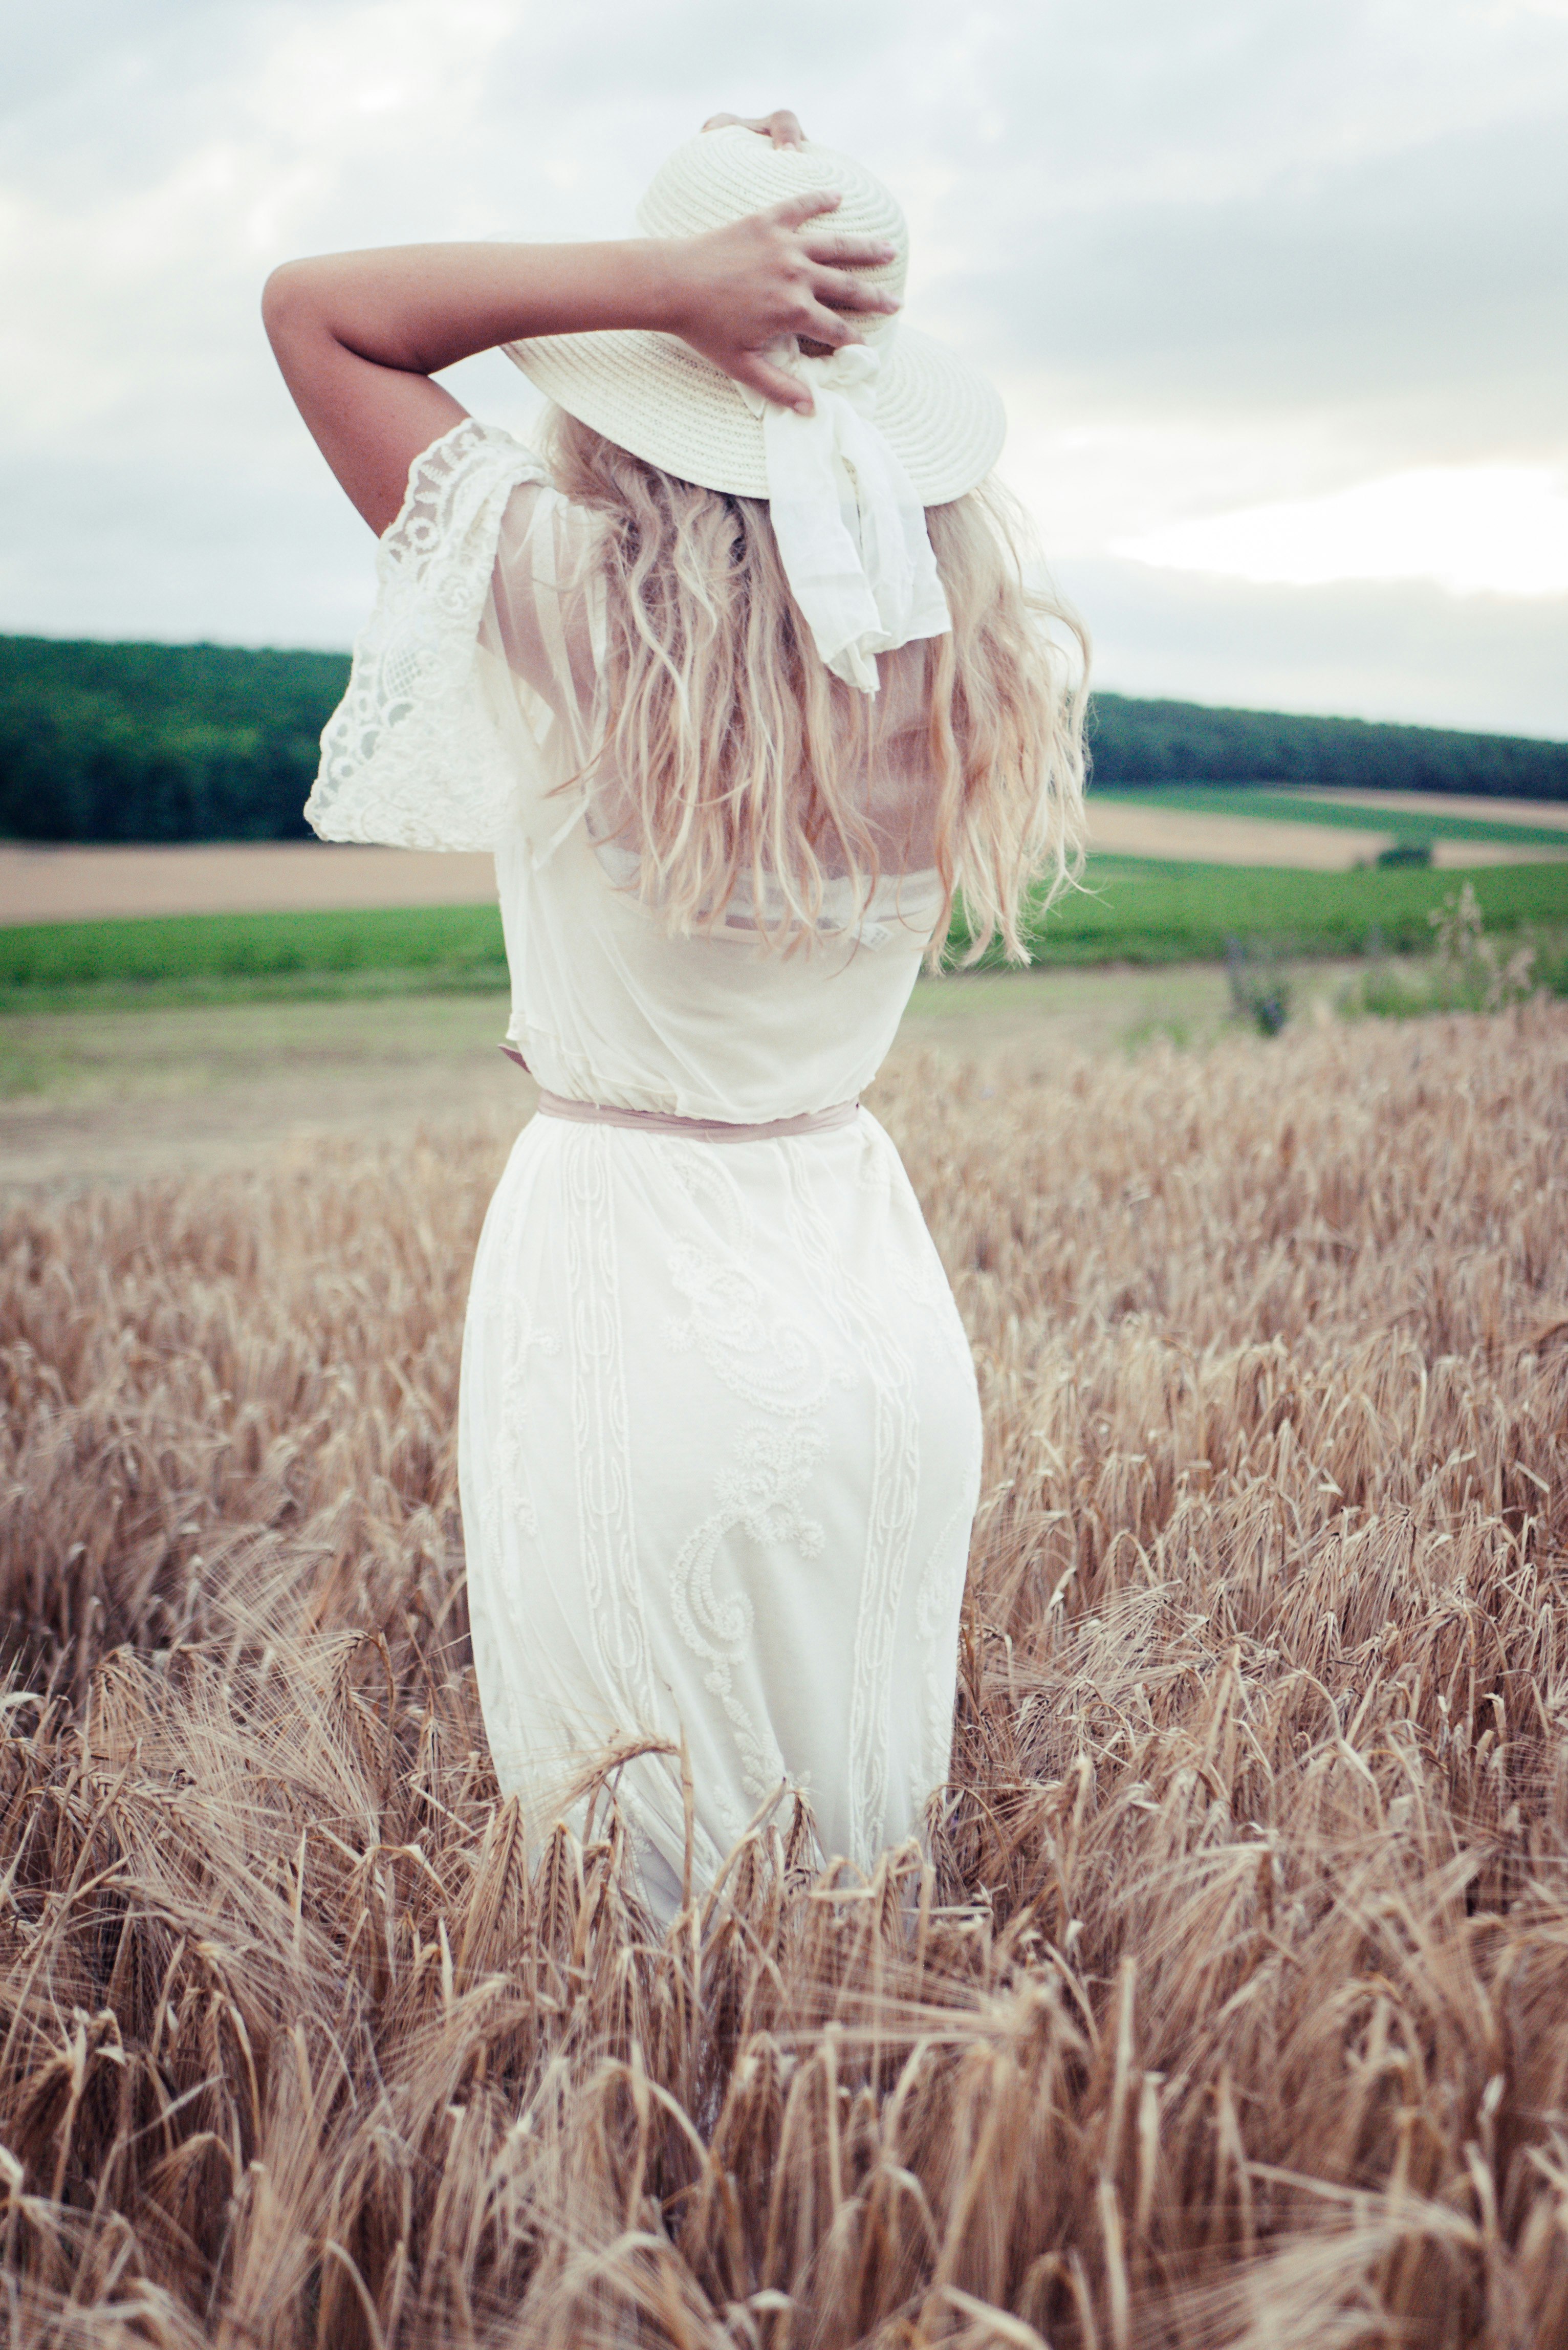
1226	2007
1469	970
1260	986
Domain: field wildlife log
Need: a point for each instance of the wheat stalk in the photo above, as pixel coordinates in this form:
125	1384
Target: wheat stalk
1226	2004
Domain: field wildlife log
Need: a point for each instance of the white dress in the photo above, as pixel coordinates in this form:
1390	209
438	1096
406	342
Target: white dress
719	1431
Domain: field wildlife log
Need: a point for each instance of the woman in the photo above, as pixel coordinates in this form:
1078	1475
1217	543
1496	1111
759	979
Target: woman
739	688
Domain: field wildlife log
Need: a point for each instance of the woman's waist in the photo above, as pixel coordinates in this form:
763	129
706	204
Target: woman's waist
575	1111
587	1103
741	1089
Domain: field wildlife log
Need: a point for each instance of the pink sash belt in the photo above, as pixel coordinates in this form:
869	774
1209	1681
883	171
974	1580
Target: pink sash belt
695	1129
657	1122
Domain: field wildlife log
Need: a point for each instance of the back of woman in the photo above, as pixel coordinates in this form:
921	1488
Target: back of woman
739	680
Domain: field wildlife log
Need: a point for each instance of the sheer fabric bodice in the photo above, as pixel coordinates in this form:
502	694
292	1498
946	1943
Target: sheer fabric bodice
475	710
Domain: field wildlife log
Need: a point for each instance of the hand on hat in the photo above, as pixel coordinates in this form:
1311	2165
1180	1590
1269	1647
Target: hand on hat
782	126
738	290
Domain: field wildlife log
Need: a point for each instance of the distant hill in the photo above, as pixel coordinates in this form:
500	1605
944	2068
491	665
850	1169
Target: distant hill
1157	742
171	743
159	742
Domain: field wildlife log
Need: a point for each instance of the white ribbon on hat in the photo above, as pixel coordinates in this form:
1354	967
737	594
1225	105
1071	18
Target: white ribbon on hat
851	532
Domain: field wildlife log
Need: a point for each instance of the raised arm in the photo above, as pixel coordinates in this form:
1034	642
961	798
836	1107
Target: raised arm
359	336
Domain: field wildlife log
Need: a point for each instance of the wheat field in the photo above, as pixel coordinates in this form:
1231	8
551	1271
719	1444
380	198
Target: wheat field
1229	2003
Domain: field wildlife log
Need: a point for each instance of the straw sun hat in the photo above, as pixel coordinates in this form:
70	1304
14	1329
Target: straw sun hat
667	404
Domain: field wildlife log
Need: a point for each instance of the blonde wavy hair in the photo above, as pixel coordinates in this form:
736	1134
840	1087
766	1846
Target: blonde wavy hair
738	749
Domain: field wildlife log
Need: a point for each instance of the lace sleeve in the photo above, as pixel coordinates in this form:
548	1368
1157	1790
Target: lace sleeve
411	756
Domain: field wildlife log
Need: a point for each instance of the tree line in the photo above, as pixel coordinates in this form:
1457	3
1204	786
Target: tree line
1152	743
183	743
159	742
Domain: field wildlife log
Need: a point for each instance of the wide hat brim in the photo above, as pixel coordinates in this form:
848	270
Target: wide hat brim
673	408
667	404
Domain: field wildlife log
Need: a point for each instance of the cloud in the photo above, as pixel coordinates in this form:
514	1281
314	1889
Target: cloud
1366	649
1410	295
1500	529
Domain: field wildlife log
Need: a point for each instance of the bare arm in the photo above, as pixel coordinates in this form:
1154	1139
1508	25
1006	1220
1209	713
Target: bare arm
358	336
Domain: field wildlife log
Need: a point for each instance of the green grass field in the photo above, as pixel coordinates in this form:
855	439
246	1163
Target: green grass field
1129	911
1296	807
1135	910
210	958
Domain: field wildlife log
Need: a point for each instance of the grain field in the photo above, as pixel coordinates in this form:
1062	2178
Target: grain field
1228	2006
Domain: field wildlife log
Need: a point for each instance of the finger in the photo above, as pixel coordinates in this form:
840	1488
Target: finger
822	326
784	389
842	292
783	129
795	211
841	251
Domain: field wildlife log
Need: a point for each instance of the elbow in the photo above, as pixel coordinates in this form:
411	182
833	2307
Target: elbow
284	304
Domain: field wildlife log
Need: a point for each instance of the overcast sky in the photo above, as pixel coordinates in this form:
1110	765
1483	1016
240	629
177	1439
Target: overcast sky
1276	292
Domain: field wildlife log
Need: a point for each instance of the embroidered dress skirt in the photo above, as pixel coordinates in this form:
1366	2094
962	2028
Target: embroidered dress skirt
719	1457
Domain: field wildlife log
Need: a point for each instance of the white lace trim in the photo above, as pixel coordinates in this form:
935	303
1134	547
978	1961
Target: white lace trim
412	757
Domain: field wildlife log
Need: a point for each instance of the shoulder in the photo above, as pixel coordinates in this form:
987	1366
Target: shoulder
546	537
